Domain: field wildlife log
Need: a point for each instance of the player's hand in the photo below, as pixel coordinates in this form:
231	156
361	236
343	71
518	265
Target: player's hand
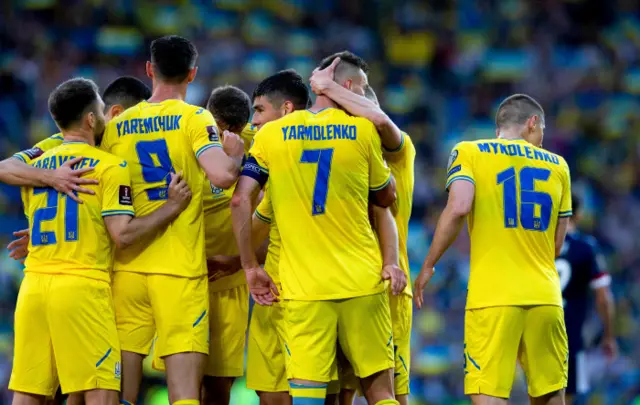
68	181
261	286
19	248
610	348
232	145
222	266
322	79
179	192
421	282
396	275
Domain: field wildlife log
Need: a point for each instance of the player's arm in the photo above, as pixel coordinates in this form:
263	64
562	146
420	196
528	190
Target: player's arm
387	230
565	211
382	185
63	179
601	285
322	83
220	161
561	233
461	186
222	266
126	230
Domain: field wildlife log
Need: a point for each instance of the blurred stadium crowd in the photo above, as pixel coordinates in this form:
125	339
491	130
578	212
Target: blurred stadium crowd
440	68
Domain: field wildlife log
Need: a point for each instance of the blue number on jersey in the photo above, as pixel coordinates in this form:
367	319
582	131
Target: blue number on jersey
323	158
152	173
49	213
529	198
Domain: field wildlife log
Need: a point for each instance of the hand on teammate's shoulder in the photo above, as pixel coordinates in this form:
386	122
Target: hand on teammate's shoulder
232	144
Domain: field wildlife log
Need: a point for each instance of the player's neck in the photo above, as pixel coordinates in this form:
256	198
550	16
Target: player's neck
165	91
510	136
321	103
79	135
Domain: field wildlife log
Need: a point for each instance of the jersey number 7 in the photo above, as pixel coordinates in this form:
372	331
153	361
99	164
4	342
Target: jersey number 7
529	198
49	213
323	158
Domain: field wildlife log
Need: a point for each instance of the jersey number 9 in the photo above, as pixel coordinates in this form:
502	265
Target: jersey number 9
529	198
155	170
49	213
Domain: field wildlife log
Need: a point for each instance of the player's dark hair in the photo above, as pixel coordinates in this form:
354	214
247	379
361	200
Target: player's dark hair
286	85
576	204
349	65
71	100
126	91
371	95
230	105
517	109
173	58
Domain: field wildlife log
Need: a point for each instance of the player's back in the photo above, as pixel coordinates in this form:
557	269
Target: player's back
219	239
71	238
401	163
520	192
158	139
321	168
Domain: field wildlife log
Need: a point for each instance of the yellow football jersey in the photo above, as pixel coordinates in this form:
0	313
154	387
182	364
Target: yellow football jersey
401	162
71	238
218	225
520	192
157	139
264	212
27	156
321	167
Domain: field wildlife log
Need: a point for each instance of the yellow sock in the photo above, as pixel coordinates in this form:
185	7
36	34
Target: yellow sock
187	402
388	402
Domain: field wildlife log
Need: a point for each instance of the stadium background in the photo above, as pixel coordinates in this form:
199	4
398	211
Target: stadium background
440	68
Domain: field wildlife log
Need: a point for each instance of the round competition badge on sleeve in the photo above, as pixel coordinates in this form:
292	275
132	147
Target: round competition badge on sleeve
452	158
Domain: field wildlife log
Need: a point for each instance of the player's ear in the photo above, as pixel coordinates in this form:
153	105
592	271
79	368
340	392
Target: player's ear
114	111
91	119
149	69
287	107
347	84
192	74
531	123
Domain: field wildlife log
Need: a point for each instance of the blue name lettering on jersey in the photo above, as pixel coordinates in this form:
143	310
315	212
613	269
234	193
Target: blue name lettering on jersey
53	162
518	150
149	124
319	133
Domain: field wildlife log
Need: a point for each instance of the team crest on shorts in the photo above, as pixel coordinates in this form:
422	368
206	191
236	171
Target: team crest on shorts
452	158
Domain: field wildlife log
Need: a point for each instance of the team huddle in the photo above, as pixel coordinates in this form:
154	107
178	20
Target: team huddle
152	221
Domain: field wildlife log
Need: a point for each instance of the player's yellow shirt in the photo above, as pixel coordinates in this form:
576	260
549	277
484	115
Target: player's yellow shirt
219	239
401	162
157	139
71	238
321	167
520	192
264	212
27	156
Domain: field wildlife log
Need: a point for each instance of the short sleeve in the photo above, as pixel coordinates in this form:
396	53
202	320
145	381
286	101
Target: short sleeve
379	172
257	165
565	202
264	211
460	165
29	155
203	132
117	198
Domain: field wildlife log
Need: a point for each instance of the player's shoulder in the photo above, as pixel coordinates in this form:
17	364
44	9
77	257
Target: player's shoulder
470	146
106	159
189	110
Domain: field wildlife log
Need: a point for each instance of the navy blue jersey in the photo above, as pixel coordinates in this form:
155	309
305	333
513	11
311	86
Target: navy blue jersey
581	269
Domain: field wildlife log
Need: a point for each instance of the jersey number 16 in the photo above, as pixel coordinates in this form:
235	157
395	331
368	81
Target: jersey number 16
529	198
